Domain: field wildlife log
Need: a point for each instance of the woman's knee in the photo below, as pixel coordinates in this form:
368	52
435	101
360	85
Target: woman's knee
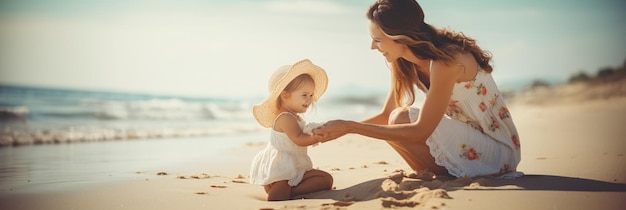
399	115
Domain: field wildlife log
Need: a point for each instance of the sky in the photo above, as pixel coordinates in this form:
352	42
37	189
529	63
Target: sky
229	48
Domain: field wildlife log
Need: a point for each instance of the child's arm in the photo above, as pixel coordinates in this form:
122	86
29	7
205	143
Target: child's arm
288	124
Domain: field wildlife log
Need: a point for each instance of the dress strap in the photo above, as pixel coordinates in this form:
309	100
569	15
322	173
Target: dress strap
430	66
420	84
277	116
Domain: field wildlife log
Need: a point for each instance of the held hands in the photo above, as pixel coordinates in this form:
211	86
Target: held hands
308	129
331	130
328	131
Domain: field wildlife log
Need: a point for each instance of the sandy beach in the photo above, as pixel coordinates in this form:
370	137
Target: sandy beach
572	157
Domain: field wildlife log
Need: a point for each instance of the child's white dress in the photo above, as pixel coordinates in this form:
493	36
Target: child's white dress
280	160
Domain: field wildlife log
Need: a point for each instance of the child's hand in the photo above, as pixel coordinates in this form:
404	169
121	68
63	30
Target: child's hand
308	128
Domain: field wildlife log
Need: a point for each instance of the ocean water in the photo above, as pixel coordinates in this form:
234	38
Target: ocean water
42	116
52	139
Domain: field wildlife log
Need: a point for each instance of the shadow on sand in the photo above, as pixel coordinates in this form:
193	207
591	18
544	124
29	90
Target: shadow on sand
372	189
360	192
558	183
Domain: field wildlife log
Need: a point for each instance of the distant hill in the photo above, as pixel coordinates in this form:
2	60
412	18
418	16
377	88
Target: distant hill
608	83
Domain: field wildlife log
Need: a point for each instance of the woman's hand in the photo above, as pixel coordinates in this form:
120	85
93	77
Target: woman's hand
332	130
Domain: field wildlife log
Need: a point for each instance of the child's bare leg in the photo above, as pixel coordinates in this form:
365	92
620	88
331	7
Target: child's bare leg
313	181
278	191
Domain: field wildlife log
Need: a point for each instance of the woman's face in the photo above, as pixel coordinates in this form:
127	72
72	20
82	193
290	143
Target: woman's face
391	49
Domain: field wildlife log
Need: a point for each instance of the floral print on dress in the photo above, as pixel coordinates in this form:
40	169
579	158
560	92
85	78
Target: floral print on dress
468	85
482	106
494	99
481	89
453	108
494	124
454	112
504	113
469	153
515	141
480	128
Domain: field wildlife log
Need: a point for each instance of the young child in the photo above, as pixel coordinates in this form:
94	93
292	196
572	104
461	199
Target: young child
283	167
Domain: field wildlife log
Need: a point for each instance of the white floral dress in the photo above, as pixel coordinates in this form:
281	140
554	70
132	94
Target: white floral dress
281	159
476	137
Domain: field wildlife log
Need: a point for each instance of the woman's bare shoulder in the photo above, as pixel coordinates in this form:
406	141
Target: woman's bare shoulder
468	64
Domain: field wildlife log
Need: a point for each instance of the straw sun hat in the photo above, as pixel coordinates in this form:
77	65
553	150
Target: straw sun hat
266	112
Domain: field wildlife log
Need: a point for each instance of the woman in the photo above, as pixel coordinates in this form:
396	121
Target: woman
463	127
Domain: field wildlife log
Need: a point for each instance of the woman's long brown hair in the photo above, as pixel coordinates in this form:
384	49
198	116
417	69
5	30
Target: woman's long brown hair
403	21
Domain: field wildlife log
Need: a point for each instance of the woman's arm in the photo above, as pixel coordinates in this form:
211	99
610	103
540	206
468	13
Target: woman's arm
382	118
442	79
288	124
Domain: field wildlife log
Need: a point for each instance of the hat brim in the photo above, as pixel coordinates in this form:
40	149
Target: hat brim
266	112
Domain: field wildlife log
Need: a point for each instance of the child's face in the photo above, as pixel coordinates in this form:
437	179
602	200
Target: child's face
300	99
